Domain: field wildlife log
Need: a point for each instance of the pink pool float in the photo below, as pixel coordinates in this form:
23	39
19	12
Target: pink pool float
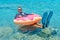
28	20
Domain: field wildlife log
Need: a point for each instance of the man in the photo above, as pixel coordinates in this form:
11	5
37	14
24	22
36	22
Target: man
27	27
20	14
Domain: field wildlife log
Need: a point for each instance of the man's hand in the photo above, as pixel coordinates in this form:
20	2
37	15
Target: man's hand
19	16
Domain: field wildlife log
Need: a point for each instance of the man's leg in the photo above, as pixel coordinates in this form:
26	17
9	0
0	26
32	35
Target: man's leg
38	25
23	28
27	28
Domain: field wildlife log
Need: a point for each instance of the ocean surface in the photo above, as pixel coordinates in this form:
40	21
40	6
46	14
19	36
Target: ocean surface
8	10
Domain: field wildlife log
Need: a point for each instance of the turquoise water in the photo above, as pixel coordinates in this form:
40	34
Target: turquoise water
8	10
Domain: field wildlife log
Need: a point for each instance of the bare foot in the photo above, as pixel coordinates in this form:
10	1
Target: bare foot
38	26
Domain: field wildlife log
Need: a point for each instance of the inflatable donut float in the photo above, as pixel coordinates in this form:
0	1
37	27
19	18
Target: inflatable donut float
28	20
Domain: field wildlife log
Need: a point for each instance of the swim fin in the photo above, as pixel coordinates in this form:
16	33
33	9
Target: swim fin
45	15
49	18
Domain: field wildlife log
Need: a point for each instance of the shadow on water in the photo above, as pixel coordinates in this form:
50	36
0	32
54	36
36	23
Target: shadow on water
29	35
45	33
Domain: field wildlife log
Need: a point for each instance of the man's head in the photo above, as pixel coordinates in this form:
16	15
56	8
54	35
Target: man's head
19	9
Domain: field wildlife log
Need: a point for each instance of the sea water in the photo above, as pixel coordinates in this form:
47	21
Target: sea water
8	10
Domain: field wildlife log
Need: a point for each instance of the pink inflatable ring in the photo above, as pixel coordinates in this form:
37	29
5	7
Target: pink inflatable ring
28	20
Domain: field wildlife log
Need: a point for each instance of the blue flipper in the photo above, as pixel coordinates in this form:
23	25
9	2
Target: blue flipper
44	19
48	18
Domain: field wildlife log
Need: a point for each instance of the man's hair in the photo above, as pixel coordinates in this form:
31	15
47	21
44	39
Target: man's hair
19	8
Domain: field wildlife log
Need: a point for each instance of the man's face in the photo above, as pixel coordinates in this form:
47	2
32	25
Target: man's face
19	10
